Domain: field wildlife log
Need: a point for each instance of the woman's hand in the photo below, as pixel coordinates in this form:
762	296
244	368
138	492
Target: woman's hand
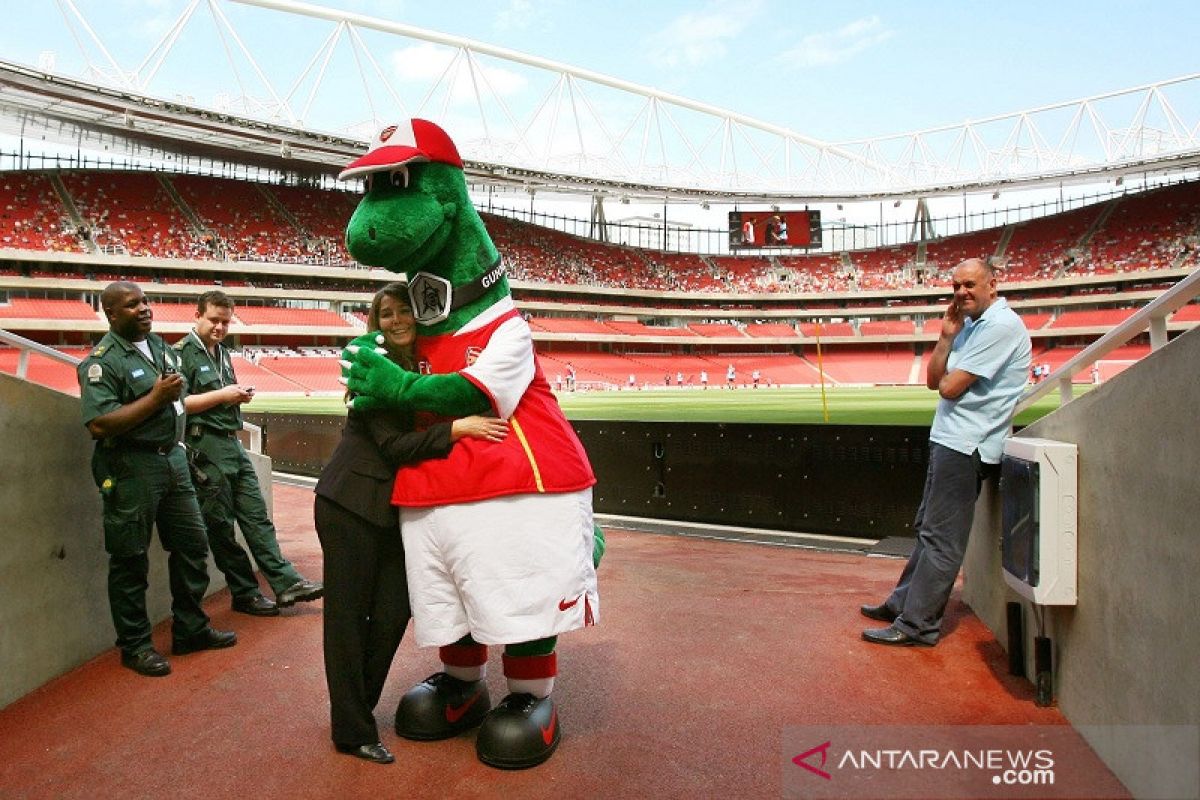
489	428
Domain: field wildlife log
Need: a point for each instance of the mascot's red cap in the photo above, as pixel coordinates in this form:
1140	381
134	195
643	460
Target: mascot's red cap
407	142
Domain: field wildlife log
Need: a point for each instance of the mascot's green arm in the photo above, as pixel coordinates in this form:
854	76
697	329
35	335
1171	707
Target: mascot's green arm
379	384
449	395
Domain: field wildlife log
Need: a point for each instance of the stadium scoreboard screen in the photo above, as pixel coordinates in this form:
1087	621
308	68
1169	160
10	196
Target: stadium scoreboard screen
754	229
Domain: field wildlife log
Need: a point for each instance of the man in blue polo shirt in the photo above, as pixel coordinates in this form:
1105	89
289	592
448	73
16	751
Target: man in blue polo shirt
979	367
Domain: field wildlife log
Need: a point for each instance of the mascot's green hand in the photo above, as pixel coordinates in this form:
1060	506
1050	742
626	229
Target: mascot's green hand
373	378
372	340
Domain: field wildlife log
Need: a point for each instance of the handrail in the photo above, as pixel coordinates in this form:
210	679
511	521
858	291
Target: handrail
1153	314
27	346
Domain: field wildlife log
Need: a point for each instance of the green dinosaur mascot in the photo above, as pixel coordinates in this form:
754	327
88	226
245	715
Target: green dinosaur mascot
498	536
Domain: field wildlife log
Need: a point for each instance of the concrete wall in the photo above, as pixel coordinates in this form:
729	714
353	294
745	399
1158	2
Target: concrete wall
53	568
1127	654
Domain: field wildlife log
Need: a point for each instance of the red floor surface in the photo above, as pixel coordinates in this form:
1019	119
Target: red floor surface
705	653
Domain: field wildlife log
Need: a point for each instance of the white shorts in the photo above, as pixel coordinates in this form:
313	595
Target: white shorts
507	570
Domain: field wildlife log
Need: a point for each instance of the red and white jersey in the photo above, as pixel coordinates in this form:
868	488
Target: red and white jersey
541	452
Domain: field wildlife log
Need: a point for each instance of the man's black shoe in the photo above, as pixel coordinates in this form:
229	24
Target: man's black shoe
893	636
368	752
256	606
880	612
148	662
207	639
299	592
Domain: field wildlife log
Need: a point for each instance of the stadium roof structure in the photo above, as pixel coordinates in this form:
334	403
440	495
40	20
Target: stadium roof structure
579	132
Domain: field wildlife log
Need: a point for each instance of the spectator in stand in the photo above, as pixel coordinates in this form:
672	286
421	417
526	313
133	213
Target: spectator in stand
978	367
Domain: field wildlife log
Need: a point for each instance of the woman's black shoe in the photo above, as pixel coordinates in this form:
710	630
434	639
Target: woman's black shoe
368	752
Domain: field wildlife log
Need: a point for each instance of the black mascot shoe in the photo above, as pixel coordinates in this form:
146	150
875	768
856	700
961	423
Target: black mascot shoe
441	706
521	732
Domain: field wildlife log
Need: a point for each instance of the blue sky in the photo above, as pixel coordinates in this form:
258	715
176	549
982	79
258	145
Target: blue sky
834	71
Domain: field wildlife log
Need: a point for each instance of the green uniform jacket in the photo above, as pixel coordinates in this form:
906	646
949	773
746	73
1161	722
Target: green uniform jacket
115	374
204	374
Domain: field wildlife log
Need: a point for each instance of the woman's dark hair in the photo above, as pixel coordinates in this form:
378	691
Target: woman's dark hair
398	292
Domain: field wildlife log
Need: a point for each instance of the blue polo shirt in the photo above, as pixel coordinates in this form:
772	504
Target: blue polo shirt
996	349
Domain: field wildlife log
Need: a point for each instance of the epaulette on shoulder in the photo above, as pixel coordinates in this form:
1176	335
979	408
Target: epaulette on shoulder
179	345
99	351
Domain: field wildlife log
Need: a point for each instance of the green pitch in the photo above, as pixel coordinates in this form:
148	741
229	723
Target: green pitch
892	405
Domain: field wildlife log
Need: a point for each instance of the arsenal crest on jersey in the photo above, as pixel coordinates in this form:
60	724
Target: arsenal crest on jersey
473	354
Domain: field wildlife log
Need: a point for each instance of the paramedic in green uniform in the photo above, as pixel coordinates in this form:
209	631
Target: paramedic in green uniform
225	480
131	394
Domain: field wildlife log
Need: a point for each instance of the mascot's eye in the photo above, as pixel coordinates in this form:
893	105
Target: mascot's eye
399	178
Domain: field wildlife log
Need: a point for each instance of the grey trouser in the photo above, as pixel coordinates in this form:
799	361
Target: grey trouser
943	525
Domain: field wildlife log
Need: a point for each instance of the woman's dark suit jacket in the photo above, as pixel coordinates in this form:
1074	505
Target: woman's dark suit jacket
361	471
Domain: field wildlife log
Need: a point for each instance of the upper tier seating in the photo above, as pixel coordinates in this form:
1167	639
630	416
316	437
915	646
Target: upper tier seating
744	273
546	255
132	212
884	268
246	222
683	271
943	255
323	214
1038	248
32	217
1144	231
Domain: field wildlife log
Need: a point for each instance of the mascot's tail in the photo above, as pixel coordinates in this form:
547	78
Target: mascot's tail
598	545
